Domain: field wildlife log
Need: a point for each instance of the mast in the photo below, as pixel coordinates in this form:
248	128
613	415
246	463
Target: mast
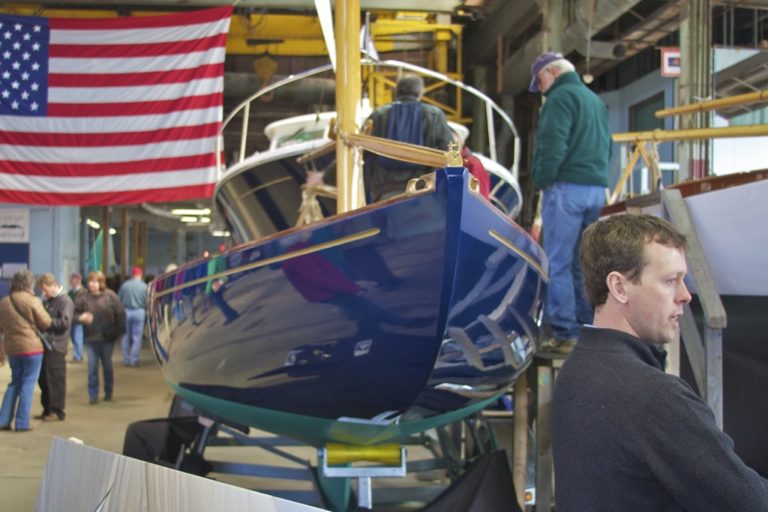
347	28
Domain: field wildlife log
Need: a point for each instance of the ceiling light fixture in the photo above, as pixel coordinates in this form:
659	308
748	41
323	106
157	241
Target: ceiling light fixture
191	211
188	219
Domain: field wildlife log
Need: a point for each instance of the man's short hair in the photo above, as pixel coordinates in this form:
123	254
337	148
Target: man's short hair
617	243
47	279
409	85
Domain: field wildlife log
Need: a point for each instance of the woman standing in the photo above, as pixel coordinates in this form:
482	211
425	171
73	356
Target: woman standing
103	318
22	315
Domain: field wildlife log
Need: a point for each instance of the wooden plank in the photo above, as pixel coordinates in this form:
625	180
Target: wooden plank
544	464
694	348
520	442
677	212
125	261
714	349
715	319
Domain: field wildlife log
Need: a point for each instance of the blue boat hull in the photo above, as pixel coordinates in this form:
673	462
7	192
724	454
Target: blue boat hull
365	327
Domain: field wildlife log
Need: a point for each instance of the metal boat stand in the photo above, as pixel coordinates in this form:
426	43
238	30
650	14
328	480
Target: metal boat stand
341	482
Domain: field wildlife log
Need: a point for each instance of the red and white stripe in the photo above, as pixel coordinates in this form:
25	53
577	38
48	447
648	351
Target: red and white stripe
134	109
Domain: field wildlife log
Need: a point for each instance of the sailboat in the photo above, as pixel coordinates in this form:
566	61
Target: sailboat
336	321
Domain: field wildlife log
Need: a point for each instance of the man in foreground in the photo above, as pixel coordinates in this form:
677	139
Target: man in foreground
625	435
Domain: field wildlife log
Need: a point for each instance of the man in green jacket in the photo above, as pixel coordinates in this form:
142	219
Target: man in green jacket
570	166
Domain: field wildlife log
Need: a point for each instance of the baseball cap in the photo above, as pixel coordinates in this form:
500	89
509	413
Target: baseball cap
136	271
540	63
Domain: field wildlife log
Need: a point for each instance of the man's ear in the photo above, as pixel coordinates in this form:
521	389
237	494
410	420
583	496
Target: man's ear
616	283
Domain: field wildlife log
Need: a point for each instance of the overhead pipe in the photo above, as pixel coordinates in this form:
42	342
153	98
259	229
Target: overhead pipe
606	50
308	91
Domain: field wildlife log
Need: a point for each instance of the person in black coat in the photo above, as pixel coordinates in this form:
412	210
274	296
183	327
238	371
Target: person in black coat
625	435
409	120
53	375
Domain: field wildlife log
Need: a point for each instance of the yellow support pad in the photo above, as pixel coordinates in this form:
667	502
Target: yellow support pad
386	454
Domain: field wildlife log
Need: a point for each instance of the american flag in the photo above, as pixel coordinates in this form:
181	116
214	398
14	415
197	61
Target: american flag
110	111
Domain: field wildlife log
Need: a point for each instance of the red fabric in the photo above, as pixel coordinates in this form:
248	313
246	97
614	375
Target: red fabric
476	169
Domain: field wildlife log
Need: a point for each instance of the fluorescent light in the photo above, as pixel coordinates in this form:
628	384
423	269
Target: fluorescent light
188	219
220	233
205	220
96	225
191	211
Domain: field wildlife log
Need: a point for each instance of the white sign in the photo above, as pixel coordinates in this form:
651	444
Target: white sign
14	225
8	269
670	62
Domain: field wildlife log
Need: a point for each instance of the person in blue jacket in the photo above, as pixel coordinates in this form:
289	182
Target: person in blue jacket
570	166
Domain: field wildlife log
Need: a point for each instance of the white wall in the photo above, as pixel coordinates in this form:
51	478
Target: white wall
54	241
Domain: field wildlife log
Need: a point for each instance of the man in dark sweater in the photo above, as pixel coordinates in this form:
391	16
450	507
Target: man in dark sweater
53	374
625	435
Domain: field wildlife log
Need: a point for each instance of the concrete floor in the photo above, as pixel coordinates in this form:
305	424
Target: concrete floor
140	393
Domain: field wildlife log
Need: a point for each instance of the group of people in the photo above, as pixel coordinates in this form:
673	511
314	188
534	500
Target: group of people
36	335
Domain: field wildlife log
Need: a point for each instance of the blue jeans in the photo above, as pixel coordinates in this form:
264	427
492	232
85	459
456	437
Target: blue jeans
77	341
24	373
567	209
134	331
100	351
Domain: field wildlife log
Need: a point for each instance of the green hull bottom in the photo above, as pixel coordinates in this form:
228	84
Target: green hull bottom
319	431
